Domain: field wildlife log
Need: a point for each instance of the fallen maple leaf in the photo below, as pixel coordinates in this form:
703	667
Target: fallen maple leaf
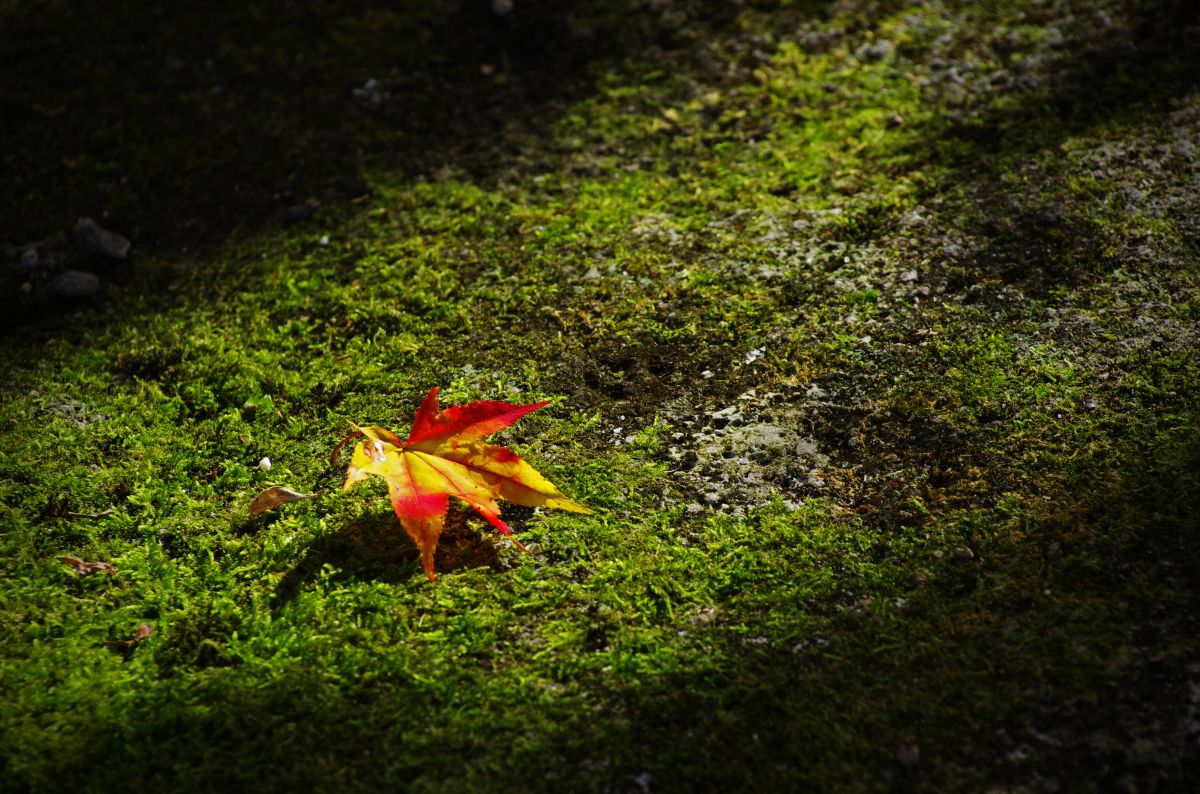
445	456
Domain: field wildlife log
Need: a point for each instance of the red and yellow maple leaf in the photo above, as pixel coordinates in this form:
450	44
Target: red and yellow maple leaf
445	455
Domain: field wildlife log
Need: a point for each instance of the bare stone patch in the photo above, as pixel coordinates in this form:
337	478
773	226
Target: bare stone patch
72	411
751	451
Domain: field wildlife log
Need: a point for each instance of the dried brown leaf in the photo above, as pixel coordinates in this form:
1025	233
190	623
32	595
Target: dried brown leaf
144	632
84	568
275	496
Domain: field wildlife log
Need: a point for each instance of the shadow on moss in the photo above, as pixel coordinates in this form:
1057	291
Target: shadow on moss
376	548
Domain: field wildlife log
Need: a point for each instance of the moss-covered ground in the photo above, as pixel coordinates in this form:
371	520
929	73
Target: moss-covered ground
871	331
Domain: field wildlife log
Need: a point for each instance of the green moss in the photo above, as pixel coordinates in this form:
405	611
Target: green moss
958	318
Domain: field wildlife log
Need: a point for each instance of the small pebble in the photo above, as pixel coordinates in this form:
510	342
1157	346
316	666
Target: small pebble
372	92
75	285
28	263
908	754
94	239
302	212
265	464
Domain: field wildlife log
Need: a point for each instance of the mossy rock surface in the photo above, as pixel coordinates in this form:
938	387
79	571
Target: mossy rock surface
871	336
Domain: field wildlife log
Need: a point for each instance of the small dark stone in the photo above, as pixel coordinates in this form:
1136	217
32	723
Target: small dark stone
94	239
908	755
28	263
302	212
875	51
1050	218
75	285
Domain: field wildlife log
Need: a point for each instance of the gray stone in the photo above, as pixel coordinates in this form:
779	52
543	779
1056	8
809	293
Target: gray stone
94	239
75	285
908	755
28	263
302	211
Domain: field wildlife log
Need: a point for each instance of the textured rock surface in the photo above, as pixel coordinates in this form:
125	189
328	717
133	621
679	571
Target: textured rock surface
95	240
75	285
